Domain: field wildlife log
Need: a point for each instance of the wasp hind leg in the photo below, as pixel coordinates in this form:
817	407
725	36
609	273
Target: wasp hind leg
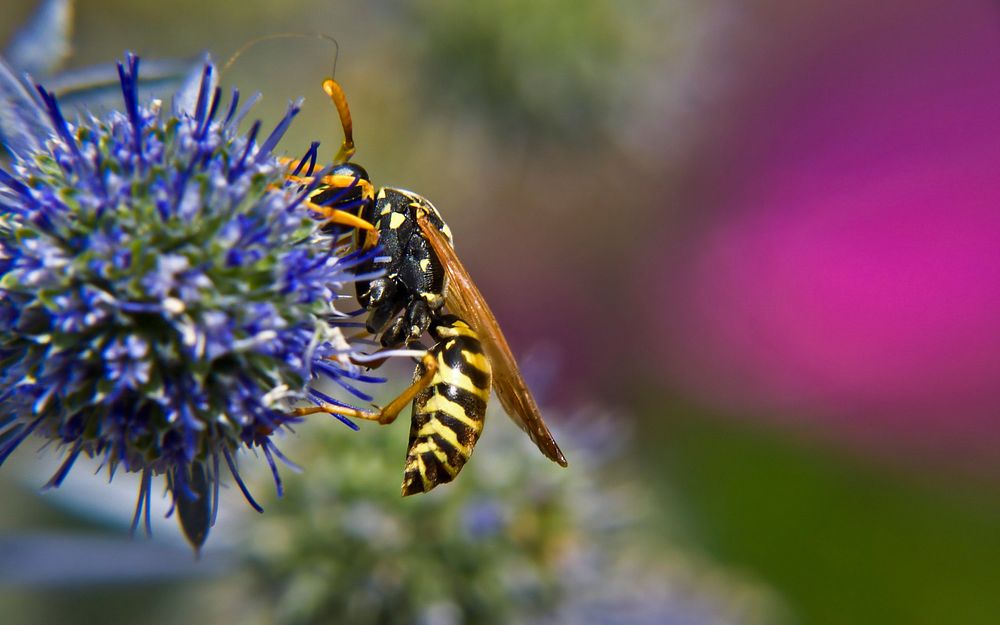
388	414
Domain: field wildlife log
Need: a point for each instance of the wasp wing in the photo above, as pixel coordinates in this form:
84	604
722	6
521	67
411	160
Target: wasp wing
465	300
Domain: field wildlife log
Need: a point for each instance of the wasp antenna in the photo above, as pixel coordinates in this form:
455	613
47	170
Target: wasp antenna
330	86
289	35
336	93
336	55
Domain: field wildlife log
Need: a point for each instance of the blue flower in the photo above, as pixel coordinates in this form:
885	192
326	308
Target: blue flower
165	299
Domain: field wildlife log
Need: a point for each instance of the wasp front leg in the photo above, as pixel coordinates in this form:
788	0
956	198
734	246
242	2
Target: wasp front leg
343	218
384	301
388	414
341	198
409	326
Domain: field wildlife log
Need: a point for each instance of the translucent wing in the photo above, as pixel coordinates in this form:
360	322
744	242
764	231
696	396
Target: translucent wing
465	300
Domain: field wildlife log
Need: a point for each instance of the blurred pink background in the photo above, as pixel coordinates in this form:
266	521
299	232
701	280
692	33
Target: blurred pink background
846	274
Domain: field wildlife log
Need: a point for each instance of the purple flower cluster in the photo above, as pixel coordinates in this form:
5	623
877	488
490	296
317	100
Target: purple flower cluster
165	299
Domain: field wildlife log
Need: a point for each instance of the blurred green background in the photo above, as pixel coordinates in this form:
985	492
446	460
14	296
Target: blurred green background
578	150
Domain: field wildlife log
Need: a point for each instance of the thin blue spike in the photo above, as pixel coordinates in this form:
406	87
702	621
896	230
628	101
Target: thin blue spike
216	478
15	185
149	499
238	168
358	257
366	379
310	155
213	109
130	91
313	158
309	188
317	180
206	82
239	481
112	468
142	502
63	471
326	399
343	191
8	448
337	375
250	103
59	122
233	103
351	388
284	459
274	469
11	209
279	131
346	206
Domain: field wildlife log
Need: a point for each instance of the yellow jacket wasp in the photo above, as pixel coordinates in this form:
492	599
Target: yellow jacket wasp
422	278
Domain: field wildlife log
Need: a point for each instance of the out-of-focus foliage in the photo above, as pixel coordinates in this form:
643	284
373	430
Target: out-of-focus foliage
879	545
43	43
514	539
555	70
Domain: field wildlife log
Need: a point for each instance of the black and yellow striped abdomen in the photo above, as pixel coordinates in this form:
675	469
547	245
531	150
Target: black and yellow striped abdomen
447	415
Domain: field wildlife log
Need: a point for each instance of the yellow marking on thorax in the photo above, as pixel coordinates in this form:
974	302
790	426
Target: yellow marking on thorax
396	220
441	403
422	204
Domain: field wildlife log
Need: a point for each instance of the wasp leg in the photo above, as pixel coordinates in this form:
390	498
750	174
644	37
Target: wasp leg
409	326
337	216
385	415
358	336
333	183
371	361
383	304
336	181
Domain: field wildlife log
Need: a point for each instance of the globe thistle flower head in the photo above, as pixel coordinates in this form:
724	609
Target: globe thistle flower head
164	297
